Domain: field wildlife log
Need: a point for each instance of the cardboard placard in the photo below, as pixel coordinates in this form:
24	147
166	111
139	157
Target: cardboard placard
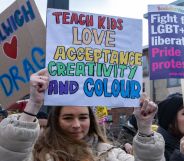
22	49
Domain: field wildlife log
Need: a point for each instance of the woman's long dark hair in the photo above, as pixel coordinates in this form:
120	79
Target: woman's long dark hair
173	127
59	145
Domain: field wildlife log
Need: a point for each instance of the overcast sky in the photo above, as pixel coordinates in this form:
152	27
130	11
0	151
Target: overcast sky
130	9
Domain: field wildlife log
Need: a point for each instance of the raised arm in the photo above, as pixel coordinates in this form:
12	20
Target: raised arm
38	85
147	145
19	132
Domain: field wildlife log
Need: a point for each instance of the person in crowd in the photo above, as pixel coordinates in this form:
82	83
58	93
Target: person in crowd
132	126
72	133
133	122
178	155
42	119
128	148
3	113
171	121
130	129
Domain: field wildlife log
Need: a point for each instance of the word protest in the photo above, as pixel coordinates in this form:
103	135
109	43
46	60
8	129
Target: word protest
93	59
22	49
166	40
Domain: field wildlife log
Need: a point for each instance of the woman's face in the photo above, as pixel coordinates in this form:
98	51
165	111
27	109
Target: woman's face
75	121
180	120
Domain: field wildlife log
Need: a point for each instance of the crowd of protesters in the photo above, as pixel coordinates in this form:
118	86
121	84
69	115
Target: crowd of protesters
72	133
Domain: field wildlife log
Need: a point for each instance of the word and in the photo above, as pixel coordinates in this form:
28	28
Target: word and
61	88
16	20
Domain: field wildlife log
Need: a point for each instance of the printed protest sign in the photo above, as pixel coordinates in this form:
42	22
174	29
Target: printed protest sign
22	49
166	41
93	59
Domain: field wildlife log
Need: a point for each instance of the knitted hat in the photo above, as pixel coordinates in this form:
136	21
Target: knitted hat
168	108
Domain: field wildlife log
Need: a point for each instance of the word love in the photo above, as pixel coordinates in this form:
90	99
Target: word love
87	36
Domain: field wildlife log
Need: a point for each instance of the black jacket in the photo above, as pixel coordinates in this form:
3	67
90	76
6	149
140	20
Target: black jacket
171	143
177	156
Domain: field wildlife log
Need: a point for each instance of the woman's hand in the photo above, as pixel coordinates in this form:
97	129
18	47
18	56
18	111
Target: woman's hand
38	84
145	115
128	148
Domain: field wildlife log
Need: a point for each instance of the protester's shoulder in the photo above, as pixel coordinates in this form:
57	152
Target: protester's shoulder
102	146
14	119
12	126
107	147
48	157
110	152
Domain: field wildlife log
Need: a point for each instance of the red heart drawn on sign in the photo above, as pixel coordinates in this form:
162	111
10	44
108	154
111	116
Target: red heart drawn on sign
10	49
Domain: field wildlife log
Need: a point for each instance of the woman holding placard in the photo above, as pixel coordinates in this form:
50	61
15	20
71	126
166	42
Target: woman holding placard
72	133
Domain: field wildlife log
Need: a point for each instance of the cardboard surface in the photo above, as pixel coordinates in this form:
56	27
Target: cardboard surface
22	49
